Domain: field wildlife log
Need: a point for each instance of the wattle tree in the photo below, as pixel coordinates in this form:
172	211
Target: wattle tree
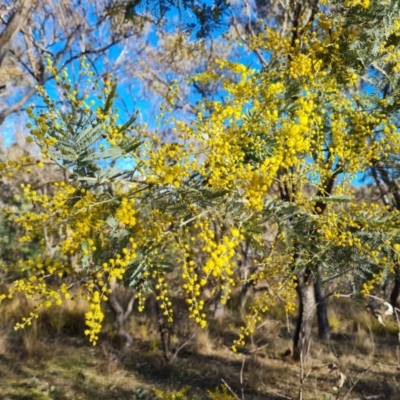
134	209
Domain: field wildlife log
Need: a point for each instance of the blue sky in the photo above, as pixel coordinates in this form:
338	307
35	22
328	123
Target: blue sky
132	104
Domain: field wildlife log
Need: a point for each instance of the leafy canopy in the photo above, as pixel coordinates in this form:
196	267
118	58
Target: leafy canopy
138	210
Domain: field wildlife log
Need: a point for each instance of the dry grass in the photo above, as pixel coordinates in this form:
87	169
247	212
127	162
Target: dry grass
33	346
3	343
51	359
203	343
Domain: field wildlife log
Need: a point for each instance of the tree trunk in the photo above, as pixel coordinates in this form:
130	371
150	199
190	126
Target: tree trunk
245	266
302	336
324	331
220	309
395	295
244	294
121	315
164	328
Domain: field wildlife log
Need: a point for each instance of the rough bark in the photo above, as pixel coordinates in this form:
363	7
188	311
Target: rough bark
14	26
302	335
324	331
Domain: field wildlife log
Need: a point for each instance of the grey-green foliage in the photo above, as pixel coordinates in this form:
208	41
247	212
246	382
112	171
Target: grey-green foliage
91	167
95	164
79	150
374	26
301	235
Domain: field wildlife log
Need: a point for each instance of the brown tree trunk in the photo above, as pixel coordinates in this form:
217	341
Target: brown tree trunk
395	295
302	335
164	328
244	294
324	332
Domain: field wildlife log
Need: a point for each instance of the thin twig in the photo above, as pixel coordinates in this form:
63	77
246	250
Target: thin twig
359	376
229	388
265	345
387	365
372	339
241	379
179	348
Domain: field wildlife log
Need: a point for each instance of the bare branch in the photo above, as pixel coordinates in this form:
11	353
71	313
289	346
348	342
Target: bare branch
17	105
14	26
263	61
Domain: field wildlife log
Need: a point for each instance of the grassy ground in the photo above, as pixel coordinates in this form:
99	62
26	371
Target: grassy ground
38	364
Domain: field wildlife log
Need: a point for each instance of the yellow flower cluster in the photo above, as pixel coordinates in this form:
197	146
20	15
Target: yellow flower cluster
162	297
297	123
370	285
94	317
355	3
126	212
